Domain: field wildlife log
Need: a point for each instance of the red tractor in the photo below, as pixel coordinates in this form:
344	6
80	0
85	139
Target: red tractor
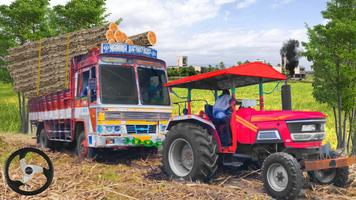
285	143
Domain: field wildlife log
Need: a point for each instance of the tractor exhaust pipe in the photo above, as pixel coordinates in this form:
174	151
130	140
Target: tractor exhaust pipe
286	97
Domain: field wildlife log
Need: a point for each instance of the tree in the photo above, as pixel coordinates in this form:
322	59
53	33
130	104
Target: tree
332	49
29	20
191	71
221	65
78	14
172	71
20	22
289	51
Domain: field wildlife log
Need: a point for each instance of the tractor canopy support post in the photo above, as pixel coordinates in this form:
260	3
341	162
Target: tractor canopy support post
233	91
261	94
189	99
215	94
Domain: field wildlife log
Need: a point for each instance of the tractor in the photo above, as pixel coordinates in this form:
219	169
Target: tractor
284	143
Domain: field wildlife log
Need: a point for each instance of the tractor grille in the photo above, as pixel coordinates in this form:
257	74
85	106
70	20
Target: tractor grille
141	129
150	116
296	126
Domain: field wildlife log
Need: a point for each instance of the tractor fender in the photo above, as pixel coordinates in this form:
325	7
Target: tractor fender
196	120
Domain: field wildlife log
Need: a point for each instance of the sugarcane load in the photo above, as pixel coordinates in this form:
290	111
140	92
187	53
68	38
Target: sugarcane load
95	88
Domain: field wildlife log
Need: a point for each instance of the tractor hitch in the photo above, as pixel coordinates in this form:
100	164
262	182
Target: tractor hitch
313	165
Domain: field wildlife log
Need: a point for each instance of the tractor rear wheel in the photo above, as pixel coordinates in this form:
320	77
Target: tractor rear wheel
189	153
282	176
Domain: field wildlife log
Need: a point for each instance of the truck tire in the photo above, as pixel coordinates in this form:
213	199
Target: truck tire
81	149
282	176
43	140
336	176
189	153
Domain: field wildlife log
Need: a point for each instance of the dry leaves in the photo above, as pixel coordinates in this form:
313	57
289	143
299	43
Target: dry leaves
136	174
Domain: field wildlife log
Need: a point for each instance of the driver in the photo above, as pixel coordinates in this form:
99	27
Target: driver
221	113
222	105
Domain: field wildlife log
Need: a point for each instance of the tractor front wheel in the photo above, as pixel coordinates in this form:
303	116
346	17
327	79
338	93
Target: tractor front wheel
282	176
189	153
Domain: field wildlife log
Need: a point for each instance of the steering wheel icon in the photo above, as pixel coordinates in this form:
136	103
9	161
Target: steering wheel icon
31	179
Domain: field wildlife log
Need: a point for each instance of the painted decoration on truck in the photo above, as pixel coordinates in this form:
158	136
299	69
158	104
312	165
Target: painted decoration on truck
128	49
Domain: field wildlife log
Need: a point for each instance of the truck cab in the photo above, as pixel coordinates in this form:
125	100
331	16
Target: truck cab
115	99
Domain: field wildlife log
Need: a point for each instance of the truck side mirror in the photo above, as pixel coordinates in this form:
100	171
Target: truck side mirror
92	83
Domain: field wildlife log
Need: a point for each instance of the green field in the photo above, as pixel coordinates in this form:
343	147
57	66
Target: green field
301	91
9	117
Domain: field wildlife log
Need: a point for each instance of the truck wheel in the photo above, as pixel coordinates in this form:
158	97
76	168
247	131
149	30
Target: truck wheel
43	140
81	147
190	153
336	176
282	176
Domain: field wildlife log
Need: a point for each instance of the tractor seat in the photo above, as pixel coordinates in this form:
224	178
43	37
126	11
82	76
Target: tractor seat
208	109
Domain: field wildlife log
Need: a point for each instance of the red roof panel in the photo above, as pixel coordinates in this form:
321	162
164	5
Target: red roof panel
237	76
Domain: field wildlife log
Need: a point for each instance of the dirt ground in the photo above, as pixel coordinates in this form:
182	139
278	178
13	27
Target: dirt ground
136	174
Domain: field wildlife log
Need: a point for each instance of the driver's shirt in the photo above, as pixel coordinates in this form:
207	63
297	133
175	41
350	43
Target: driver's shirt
222	103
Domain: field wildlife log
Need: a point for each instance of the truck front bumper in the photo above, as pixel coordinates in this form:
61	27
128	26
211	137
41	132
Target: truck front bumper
313	165
112	141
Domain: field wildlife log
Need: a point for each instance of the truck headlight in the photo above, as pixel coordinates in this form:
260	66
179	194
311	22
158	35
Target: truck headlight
111	129
268	135
162	128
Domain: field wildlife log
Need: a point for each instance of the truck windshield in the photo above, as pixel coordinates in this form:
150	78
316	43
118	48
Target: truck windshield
118	85
151	83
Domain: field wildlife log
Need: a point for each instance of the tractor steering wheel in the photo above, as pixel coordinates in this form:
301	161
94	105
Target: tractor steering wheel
29	172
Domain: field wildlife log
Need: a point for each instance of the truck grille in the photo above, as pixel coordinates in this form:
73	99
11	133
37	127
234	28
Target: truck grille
150	116
141	129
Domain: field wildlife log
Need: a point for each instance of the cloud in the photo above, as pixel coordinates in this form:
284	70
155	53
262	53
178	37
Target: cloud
278	3
244	3
178	25
230	45
221	2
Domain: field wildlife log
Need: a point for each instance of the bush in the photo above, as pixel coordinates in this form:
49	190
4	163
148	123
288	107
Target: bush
5	75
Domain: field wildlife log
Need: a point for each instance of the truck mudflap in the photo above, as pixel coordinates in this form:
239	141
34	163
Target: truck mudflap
313	165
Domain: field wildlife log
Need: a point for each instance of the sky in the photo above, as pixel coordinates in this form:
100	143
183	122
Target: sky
211	31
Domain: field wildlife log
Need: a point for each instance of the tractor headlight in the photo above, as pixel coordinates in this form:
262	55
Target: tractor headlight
268	135
308	127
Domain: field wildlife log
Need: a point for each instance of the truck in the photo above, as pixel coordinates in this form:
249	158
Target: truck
283	143
115	99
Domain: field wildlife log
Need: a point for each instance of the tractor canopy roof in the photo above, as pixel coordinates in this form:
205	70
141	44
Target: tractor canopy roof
237	76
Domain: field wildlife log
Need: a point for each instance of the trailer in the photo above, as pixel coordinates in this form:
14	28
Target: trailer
115	99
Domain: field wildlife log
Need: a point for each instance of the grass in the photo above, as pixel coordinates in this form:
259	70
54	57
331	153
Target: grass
302	99
9	117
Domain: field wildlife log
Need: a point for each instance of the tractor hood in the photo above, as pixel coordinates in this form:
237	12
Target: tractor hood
278	115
